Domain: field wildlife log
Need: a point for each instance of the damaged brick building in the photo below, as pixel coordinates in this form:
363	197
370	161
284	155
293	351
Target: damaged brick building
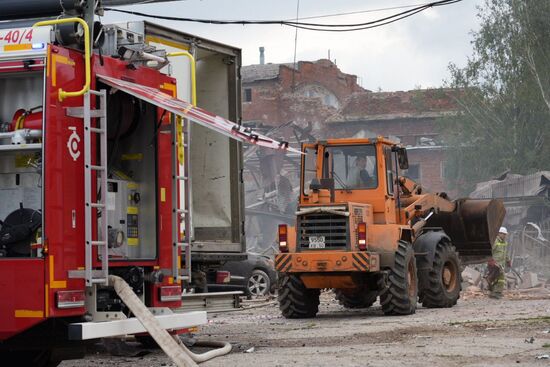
310	92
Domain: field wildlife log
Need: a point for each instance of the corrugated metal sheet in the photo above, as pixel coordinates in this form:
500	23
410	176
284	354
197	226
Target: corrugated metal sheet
520	194
514	186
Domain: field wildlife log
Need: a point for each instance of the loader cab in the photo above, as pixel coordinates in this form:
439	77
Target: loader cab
353	170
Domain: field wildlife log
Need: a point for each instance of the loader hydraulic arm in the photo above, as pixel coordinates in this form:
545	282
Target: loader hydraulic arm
409	187
421	207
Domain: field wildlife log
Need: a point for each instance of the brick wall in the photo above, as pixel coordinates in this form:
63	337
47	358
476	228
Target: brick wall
431	161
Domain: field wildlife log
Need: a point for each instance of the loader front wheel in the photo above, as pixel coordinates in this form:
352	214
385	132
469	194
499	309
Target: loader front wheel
400	292
295	300
356	298
441	284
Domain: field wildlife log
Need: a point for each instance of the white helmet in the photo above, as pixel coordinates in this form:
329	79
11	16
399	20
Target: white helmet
503	230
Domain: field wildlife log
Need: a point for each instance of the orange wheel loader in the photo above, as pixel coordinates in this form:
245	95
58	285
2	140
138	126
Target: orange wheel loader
367	231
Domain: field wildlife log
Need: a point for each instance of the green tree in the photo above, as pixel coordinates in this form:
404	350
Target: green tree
503	94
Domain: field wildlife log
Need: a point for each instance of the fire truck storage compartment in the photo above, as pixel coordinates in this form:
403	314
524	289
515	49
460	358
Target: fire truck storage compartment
215	163
131	184
20	165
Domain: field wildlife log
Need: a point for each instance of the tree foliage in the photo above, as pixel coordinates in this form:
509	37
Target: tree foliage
503	95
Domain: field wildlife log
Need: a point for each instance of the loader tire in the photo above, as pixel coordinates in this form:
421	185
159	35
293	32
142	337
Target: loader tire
295	300
359	298
441	285
400	291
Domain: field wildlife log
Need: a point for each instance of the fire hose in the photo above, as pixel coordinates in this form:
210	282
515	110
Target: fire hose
172	346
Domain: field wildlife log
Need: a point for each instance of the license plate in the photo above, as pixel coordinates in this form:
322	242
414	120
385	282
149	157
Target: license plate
317	242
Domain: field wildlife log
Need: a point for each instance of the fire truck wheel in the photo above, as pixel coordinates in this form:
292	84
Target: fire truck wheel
35	358
441	284
400	292
147	341
357	298
295	300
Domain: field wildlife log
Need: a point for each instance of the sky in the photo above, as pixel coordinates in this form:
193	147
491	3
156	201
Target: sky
405	55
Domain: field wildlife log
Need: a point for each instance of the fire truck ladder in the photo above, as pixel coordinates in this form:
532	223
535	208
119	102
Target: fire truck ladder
181	270
90	166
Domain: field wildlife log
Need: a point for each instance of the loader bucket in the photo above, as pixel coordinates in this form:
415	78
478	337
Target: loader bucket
472	227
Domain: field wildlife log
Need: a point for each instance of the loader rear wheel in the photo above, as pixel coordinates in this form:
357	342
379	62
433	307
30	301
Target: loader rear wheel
400	292
357	298
295	300
441	284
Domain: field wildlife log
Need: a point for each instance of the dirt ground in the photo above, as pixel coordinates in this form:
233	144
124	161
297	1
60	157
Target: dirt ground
477	332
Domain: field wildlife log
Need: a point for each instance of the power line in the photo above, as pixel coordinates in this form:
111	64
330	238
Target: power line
361	11
304	25
360	28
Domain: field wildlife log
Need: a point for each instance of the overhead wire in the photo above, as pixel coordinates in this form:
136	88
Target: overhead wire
361	11
346	27
360	27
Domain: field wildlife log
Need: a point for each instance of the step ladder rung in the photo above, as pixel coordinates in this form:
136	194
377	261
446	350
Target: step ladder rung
99	280
78	112
97	205
182	211
183	277
183	244
96	168
182	178
97	130
98	243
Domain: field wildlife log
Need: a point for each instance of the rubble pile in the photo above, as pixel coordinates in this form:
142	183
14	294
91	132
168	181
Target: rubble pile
522	285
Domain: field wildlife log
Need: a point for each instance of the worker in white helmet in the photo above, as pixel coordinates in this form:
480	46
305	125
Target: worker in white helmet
496	277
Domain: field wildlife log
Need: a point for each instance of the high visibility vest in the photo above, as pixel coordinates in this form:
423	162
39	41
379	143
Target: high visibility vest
500	252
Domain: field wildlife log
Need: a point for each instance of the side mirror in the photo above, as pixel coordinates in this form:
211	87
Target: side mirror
402	158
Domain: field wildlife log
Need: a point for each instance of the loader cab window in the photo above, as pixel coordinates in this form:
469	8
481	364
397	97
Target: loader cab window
391	170
351	167
309	172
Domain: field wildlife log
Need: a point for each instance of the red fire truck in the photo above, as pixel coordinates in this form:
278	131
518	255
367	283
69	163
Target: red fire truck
95	181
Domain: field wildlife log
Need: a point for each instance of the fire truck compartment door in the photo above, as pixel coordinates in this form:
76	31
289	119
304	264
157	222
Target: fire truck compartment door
193	113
